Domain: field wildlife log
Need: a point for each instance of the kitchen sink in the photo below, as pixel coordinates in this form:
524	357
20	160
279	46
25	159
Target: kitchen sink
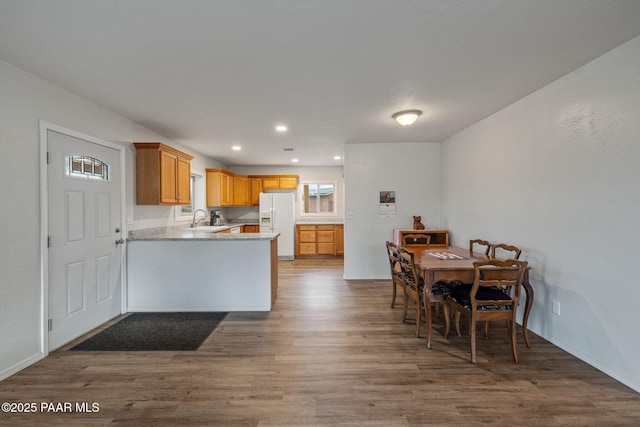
212	228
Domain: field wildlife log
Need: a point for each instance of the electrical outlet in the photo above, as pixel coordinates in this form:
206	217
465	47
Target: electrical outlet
556	307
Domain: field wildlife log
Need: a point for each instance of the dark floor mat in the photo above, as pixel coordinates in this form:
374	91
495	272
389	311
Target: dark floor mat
182	331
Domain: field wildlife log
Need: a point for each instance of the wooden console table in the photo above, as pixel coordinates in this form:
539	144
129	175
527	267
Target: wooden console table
439	238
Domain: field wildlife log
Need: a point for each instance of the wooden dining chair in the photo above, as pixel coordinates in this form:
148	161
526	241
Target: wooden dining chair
483	244
411	239
485	301
397	282
504	251
412	285
414	288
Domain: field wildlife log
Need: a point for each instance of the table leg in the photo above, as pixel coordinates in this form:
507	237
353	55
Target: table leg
427	308
528	289
426	298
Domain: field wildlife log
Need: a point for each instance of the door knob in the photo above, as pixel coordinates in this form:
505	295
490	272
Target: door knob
119	241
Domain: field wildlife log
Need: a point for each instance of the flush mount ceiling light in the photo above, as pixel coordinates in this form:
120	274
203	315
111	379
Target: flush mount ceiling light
281	128
406	117
236	148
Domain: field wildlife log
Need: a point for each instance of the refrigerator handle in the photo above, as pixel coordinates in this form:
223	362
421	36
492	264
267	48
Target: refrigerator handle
273	218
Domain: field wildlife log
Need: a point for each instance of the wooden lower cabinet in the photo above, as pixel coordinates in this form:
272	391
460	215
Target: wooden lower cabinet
306	236
326	239
250	228
340	239
319	239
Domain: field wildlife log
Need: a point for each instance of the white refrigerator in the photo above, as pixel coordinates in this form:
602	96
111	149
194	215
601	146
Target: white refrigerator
278	215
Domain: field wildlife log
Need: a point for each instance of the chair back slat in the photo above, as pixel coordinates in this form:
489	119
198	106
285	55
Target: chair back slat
504	275
484	245
502	248
409	271
394	260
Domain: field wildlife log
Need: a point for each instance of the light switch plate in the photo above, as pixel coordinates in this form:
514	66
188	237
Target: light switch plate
556	307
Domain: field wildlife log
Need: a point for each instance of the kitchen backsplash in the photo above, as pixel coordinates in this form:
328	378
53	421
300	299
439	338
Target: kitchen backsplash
320	220
155	230
251	215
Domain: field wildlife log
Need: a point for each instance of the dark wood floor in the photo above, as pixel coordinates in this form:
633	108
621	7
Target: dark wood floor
331	353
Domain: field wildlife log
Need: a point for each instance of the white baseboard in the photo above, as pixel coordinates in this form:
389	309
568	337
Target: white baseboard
598	364
21	365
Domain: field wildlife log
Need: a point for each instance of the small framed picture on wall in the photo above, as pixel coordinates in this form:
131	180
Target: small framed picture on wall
387	205
387	197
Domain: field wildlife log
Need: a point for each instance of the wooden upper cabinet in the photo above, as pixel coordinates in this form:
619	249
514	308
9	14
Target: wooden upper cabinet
255	188
240	190
163	175
168	177
279	182
288	182
184	181
220	185
270	183
225	188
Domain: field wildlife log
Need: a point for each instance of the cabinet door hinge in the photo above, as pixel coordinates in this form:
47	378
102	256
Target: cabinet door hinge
50	324
48	241
48	157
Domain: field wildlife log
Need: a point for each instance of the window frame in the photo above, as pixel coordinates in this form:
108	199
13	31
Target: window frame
334	212
103	176
197	198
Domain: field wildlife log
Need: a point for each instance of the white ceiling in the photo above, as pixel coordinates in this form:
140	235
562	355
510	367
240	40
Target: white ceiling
210	74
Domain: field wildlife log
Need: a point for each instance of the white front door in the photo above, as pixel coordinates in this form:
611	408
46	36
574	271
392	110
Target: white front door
84	205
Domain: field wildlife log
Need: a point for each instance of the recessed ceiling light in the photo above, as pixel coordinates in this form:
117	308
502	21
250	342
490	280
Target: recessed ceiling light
336	157
294	160
236	148
281	128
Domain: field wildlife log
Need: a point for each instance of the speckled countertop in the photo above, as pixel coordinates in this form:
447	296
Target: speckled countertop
204	233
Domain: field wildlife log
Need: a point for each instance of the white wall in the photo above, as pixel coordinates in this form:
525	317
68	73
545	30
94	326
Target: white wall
558	174
412	170
24	100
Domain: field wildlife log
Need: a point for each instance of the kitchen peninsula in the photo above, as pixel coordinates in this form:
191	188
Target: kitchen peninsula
202	270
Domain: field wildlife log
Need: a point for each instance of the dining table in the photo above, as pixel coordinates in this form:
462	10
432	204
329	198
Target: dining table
454	264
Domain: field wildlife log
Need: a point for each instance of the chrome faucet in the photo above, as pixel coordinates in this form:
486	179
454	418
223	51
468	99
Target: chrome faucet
194	223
